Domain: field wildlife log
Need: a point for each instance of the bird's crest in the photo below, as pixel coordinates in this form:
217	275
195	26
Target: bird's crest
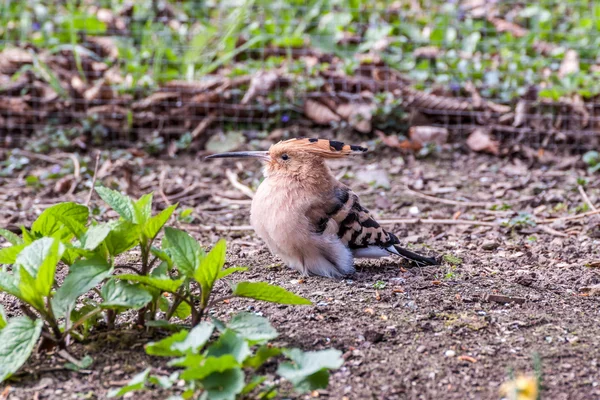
322	147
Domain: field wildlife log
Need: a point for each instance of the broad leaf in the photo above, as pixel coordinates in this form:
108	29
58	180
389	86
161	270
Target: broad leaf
17	340
69	215
119	294
27	236
143	209
94	236
28	291
183	309
32	257
261	356
224	385
45	275
164	284
309	369
123	205
154	225
83	276
136	383
252	327
230	343
208	270
228	271
9	284
184	250
11	237
123	236
209	365
162	255
182	342
266	292
8	255
196	339
3	319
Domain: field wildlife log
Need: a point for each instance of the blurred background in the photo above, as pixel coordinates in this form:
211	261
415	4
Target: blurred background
165	76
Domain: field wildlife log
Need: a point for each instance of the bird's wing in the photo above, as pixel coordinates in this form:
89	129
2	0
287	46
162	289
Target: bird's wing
341	214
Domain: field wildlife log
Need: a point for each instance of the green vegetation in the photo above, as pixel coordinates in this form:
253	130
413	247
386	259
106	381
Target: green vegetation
174	280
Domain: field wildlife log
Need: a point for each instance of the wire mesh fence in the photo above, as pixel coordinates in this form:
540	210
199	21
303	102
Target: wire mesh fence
174	74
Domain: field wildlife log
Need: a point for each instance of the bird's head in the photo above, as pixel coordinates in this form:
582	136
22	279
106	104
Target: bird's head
297	156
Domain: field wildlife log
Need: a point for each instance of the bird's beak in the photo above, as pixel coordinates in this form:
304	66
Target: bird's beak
263	155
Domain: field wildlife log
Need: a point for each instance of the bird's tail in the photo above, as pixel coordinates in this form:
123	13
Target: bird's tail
419	259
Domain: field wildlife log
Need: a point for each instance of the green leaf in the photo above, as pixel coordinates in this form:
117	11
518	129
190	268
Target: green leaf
164	284
162	255
143	209
224	385
71	216
45	274
11	237
27	236
9	284
228	271
262	355
266	292
230	343
123	205
163	347
123	236
208	270
155	224
253	384
8	255
82	277
33	256
84	363
309	369
28	291
17	340
119	294
252	327
184	250
3	319
182	342
94	236
207	366
138	382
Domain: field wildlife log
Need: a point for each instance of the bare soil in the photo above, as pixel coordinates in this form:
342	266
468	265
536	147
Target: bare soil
406	333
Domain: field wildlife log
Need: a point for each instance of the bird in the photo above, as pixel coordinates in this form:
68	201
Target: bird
308	218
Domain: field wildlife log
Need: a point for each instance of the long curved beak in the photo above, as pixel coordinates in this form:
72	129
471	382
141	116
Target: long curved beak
263	155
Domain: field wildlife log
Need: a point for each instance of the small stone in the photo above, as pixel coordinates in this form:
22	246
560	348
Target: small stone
490	245
450	353
421	349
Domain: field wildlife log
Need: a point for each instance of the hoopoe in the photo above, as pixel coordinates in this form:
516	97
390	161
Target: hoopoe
313	222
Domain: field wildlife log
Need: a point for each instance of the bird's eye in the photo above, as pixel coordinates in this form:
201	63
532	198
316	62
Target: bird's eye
285	157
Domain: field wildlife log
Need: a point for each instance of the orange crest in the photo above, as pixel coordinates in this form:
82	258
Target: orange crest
321	147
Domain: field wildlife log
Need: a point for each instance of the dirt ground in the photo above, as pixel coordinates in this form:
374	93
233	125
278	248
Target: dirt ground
406	333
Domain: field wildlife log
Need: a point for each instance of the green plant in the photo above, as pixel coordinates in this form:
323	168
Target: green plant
522	220
177	278
592	159
380	285
231	366
452	259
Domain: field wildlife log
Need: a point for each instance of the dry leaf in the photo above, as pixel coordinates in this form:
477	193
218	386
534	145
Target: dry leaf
480	140
319	113
569	64
261	83
358	115
393	141
428	134
593	290
520	113
506	26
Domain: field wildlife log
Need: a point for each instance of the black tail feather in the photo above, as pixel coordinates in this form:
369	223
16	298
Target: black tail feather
415	257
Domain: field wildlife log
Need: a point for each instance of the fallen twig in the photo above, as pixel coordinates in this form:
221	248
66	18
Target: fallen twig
89	198
498	298
586	198
464	203
570	218
161	185
238	185
437	221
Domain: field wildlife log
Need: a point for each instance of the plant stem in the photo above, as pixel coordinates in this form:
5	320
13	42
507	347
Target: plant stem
81	320
145	269
51	319
218	300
